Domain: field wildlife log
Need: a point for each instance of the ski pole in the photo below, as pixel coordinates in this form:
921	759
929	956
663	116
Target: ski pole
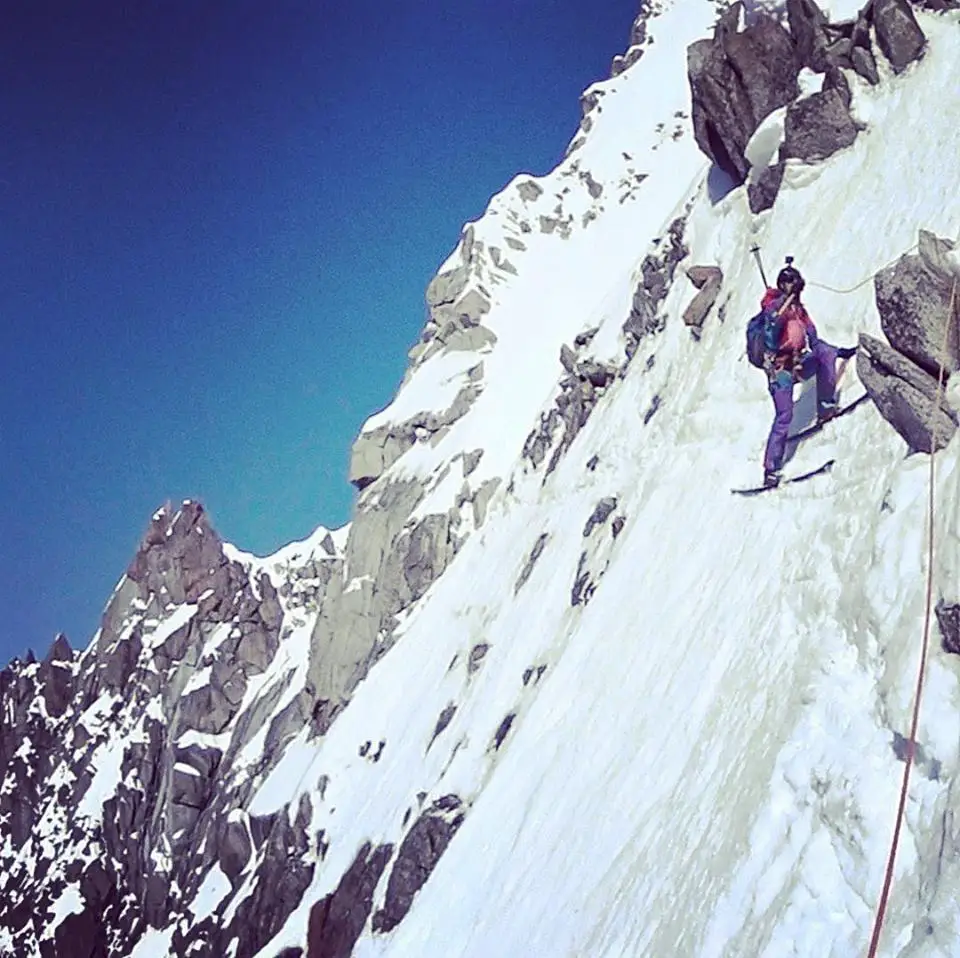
756	255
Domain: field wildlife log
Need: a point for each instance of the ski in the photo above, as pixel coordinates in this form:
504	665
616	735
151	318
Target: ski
819	471
817	426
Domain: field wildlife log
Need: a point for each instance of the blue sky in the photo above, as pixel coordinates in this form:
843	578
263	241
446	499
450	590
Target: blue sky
217	222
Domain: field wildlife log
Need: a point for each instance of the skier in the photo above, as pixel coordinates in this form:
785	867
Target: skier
797	354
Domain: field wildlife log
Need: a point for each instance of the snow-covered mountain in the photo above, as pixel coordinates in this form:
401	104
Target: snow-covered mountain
554	691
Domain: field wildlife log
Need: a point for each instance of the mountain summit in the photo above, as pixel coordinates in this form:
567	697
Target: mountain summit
554	691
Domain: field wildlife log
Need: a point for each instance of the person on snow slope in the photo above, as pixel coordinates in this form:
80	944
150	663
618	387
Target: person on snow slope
793	352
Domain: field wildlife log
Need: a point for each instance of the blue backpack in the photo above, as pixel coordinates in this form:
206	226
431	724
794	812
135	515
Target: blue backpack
763	336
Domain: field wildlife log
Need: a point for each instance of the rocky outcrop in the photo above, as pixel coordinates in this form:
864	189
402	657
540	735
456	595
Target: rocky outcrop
457	303
111	767
898	34
822	45
527	569
818	126
739	77
639	40
914	301
810	129
417	857
918	299
905	394
458	300
811	34
580	390
764	186
948	620
181	558
736	80
56	676
600	514
284	872
376	450
392	560
657	271
337	920
708	280
86	933
31	734
585	381
419	556
598	545
460	332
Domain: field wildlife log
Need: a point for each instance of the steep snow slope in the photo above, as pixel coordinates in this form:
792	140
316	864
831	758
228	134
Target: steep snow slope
705	766
626	713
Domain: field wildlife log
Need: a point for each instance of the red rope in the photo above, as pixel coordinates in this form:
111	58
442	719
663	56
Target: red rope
911	744
914	722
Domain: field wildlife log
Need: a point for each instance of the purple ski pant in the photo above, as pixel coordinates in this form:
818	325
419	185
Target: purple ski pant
821	361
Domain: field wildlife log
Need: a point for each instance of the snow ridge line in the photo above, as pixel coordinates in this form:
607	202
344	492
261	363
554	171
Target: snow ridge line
924	648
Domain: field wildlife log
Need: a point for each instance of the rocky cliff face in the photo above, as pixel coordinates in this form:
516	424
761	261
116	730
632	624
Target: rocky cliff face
130	772
206	665
742	77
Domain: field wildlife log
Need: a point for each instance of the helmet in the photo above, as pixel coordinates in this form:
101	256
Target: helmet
790	275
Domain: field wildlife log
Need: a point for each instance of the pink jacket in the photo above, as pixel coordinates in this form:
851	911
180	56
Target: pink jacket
797	330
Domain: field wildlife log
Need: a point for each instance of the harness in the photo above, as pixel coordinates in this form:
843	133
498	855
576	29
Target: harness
785	360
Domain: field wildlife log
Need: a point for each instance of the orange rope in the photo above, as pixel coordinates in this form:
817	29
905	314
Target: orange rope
914	722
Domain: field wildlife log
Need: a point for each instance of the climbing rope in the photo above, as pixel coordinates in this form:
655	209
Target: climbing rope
863	282
912	741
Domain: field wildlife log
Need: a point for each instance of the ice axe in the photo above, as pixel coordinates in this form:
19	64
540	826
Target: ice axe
756	255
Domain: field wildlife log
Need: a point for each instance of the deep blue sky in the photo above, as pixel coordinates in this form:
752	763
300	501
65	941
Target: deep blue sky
217	222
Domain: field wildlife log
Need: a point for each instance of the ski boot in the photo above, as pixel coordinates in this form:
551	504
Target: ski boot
827	412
